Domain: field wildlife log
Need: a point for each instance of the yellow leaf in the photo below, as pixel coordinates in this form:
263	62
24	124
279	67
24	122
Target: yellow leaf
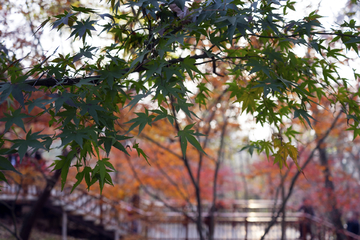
285	150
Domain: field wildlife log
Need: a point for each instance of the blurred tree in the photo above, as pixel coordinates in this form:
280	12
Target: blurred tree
173	55
207	176
331	187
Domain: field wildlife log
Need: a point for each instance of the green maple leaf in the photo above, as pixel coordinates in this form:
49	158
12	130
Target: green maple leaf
188	135
63	20
140	152
15	118
83	27
141	120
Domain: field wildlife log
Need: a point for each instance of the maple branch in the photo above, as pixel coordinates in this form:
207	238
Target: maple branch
206	133
292	184
283	177
156	196
12	206
300	34
161	146
13	233
172	182
220	156
217	167
67	81
176	155
194	182
184	158
214	67
70	81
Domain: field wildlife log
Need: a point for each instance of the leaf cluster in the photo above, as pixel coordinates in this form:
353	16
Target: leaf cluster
158	48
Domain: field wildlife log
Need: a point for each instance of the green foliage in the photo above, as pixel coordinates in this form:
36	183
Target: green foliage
187	135
152	59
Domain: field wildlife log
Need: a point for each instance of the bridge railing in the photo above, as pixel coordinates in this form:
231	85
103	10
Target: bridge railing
245	226
123	218
112	215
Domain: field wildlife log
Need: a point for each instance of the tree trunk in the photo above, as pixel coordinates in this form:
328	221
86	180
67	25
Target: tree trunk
30	218
335	214
283	217
213	209
199	219
211	222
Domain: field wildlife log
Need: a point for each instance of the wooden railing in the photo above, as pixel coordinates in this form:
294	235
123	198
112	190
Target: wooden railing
123	219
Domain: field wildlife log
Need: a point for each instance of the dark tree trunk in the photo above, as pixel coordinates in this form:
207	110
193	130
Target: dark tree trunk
211	222
213	209
30	218
283	217
335	214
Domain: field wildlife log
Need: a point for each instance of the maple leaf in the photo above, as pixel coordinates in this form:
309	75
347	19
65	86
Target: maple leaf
187	135
15	118
81	28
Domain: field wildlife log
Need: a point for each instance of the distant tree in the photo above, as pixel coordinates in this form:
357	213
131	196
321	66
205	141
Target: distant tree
161	52
331	184
163	176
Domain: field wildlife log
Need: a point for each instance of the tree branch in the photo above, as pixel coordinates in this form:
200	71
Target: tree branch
293	181
155	196
193	180
220	157
67	81
172	182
